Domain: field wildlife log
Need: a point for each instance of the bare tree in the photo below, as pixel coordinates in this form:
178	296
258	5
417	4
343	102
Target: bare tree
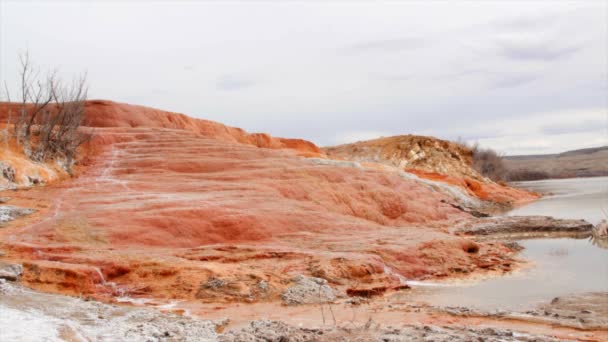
60	128
486	161
489	163
6	135
51	114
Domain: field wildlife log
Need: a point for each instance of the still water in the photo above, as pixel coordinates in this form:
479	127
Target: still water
585	198
558	266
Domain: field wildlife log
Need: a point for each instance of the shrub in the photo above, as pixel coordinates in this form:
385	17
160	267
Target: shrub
49	119
526	175
487	162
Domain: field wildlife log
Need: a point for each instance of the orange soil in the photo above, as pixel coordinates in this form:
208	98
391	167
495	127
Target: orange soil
169	203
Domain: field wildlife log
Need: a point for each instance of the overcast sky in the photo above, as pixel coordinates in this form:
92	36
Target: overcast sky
521	77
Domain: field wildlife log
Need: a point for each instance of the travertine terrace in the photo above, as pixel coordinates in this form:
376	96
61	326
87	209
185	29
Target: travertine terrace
164	204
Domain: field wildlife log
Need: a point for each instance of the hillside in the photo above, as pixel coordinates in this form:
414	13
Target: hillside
589	162
432	159
165	205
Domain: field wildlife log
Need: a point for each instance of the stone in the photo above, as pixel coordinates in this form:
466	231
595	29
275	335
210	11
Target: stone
601	229
308	290
524	226
9	213
7	171
10	272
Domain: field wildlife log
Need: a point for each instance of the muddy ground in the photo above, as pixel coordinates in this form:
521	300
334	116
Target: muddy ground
30	315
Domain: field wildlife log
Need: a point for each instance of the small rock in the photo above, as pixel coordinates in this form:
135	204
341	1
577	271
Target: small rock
601	230
263	285
214	283
10	272
9	213
4	199
308	290
7	171
526	225
34	180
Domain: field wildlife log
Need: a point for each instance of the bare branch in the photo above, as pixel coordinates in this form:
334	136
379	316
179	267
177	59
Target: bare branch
53	112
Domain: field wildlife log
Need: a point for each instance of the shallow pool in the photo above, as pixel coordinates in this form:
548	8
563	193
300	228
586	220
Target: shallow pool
558	266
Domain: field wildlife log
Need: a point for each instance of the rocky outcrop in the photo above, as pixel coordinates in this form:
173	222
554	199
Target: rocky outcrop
9	213
174	207
104	114
62	277
18	171
208	208
7	172
10	272
411	152
308	290
524	226
432	159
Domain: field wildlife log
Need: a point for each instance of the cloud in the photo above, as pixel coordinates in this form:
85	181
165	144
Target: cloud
234	82
394	78
537	51
387	45
527	23
546	132
576	127
513	80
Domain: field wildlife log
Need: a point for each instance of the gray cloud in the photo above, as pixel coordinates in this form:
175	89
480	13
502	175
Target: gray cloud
394	78
234	82
387	45
527	23
581	127
538	51
513	80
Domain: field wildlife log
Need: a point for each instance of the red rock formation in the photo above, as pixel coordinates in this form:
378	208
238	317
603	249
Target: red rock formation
101	113
170	204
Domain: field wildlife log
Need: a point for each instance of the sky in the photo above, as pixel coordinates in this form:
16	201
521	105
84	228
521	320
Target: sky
521	77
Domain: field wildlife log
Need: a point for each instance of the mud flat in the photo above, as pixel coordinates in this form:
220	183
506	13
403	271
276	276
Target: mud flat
585	311
29	315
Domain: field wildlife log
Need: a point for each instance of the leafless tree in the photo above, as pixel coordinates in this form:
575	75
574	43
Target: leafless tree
486	161
489	163
6	134
50	115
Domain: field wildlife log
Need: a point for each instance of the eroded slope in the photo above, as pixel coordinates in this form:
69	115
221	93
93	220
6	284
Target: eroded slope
174	207
433	159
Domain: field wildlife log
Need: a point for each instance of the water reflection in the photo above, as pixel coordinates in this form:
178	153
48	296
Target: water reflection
576	198
559	266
